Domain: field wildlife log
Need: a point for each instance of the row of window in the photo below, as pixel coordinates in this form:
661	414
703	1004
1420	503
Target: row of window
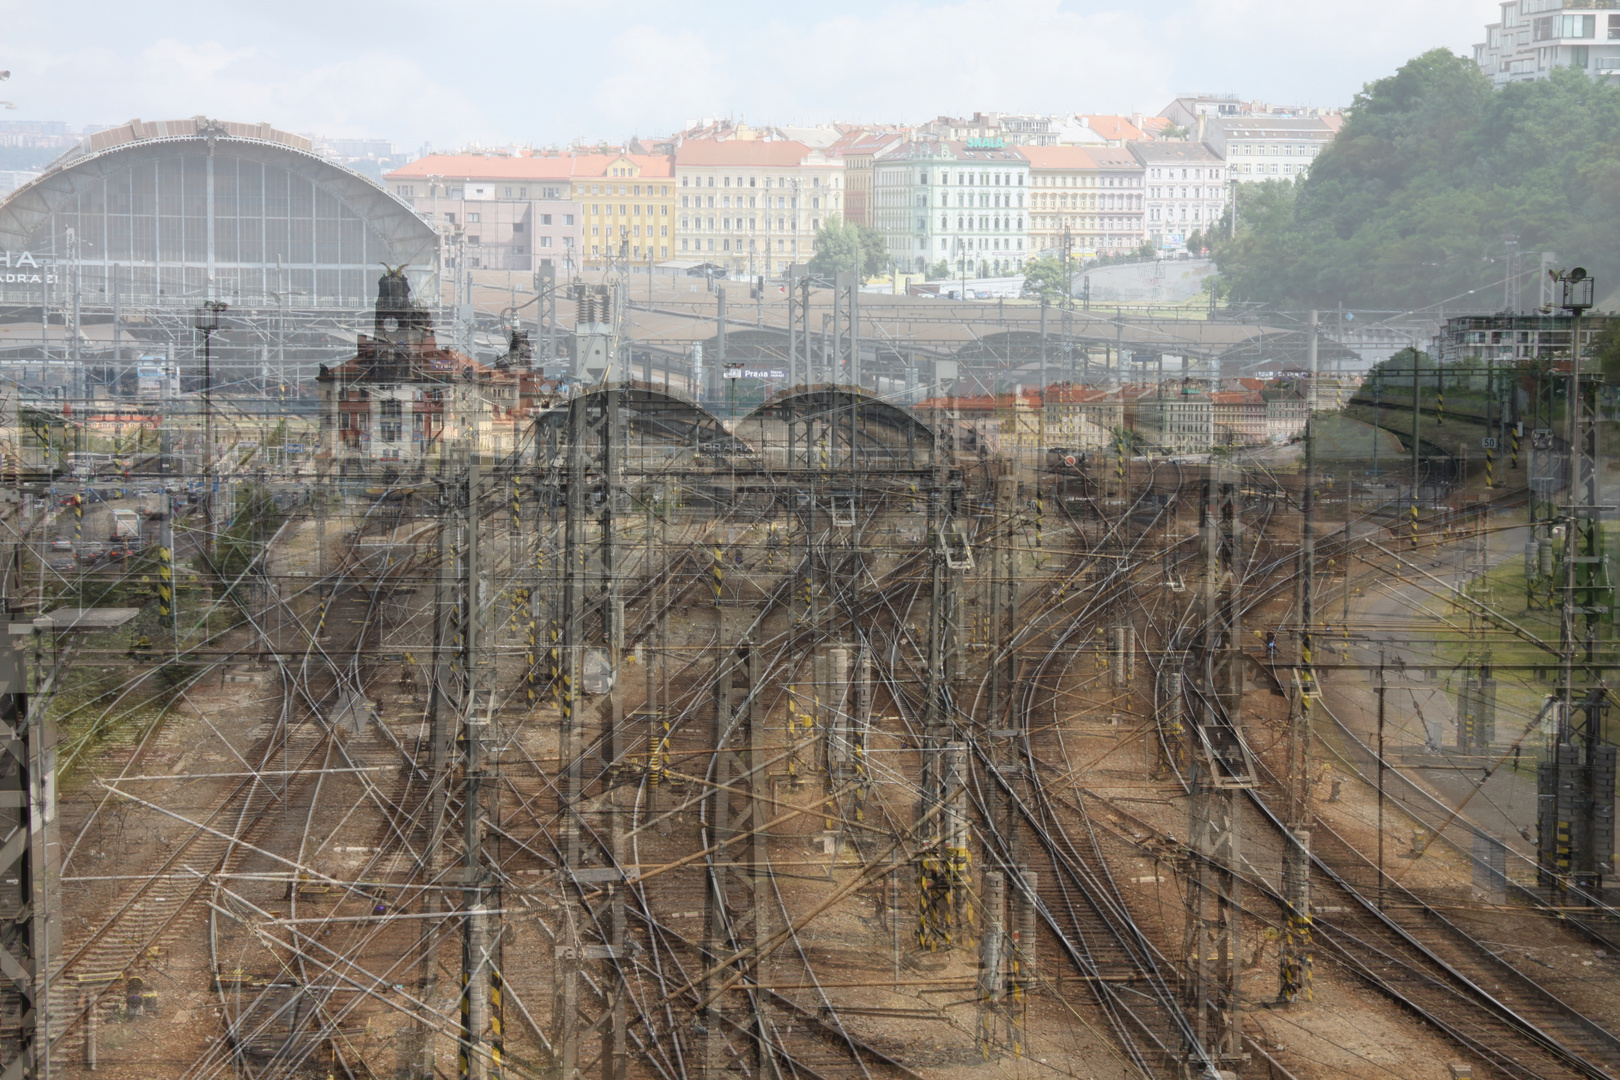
634	252
627	230
1170	174
982	243
1047	180
1197	193
985	179
753	181
624	189
984	223
725	245
431	190
783	224
624	209
1273	150
783	202
1086	223
984	200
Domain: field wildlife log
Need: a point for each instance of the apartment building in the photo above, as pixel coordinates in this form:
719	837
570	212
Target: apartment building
1177	419
859	149
1185	190
961	201
1262	147
1239	417
627	202
1060	179
1535	36
495	211
754	205
1082	417
1115	209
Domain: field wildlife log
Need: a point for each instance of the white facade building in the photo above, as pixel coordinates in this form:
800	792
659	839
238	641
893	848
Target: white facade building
1186	190
753	204
957	201
1535	36
1263	147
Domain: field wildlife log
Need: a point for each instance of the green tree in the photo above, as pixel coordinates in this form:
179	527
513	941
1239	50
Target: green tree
1045	279
842	247
941	269
1408	207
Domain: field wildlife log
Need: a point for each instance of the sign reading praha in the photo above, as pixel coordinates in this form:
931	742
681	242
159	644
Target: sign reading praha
991	143
29	268
753	373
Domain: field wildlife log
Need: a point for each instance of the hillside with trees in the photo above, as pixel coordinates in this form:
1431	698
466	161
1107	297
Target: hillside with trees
1412	203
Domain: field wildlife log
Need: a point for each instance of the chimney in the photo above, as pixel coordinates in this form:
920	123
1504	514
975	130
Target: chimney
1203	119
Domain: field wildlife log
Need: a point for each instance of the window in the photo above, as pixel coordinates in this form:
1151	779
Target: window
664	210
1614	27
472	239
408	190
517	226
545	241
474	217
568	219
545	219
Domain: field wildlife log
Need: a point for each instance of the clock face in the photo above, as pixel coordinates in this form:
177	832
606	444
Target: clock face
390	324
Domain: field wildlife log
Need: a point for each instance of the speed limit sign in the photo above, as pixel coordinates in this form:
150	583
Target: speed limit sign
1489	442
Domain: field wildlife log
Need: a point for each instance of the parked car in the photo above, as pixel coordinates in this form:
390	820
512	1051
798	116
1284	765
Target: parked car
61	543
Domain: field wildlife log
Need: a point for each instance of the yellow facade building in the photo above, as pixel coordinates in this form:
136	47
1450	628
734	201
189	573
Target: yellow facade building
627	204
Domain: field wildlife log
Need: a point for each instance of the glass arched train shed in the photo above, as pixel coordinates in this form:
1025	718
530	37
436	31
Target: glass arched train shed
159	217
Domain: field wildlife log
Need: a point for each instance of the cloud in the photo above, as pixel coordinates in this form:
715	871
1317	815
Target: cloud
550	70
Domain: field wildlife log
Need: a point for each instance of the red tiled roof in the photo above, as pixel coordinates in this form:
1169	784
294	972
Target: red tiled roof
1112	127
528	167
755	152
1059	157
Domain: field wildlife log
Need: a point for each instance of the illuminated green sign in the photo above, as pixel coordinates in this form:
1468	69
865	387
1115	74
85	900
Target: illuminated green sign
985	144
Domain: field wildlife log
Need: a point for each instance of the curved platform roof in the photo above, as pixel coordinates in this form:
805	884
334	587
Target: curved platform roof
164	172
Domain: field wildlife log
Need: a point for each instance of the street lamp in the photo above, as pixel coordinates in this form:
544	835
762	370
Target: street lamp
208	323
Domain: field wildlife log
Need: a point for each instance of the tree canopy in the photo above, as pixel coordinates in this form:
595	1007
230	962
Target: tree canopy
1411	205
1044	279
839	244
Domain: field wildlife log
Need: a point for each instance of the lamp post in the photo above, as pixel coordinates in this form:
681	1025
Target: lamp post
208	323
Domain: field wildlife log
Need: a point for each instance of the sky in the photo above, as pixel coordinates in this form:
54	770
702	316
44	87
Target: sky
547	72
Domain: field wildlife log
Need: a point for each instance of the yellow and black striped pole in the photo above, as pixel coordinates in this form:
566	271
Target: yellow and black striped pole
78	518
1490	463
1513	435
497	1033
464	1046
718	571
165	581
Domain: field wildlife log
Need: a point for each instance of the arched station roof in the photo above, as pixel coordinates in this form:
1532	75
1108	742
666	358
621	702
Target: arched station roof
175	203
